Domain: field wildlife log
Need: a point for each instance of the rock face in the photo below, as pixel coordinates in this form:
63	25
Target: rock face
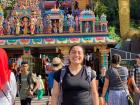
124	16
132	33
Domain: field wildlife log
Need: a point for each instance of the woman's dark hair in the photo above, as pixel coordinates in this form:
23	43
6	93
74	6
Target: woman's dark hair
116	59
74	46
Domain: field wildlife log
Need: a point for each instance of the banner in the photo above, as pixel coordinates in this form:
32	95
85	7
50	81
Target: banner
49	41
24	41
12	42
74	40
87	40
37	41
61	40
100	39
2	42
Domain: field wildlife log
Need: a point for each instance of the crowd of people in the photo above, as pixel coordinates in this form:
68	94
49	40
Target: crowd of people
72	84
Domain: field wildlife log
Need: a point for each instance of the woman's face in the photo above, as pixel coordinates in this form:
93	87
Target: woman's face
76	55
103	71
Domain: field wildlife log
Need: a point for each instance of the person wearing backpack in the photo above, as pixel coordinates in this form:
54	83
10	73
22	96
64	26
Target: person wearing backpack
135	77
28	84
75	82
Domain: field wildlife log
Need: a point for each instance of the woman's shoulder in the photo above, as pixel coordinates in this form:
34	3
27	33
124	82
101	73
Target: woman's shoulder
12	75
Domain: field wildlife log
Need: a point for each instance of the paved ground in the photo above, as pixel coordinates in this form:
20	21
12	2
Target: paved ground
35	101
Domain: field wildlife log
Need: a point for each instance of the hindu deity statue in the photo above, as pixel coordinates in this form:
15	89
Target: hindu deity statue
25	27
17	26
12	25
8	29
32	25
87	27
39	26
71	23
49	27
55	28
65	23
77	23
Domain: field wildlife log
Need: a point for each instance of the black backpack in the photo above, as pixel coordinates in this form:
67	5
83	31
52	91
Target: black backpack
63	72
29	80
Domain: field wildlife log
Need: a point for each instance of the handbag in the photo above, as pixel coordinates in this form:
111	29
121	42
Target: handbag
129	97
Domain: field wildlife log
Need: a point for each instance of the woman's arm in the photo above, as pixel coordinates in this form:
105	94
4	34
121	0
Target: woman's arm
55	93
106	84
95	97
136	89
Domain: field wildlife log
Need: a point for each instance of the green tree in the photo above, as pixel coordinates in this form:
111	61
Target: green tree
100	8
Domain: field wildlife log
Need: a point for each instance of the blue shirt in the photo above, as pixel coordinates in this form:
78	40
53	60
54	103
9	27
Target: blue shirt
50	79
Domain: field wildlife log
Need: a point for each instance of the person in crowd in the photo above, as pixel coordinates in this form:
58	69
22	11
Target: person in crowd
116	82
56	65
135	77
100	84
77	88
40	90
8	86
13	67
28	84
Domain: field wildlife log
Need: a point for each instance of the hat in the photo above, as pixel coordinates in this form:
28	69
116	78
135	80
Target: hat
56	64
138	56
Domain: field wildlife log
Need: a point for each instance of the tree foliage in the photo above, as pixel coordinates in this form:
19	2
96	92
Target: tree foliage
113	34
110	8
135	13
100	8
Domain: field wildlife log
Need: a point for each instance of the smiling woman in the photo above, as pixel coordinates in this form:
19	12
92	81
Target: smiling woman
77	88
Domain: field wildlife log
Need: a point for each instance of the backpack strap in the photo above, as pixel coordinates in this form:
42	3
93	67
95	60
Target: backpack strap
19	81
29	79
62	74
135	70
63	71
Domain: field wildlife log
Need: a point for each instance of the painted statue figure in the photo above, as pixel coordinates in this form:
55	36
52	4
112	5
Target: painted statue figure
8	29
71	23
55	29
60	24
17	26
87	27
32	25
39	26
76	23
12	25
49	27
25	25
65	24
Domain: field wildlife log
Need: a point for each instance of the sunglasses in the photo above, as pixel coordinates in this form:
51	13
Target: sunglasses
55	65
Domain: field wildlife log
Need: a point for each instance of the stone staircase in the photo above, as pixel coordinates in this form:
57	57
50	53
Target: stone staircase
35	101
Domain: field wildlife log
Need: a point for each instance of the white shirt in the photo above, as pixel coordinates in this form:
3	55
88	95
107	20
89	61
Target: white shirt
10	90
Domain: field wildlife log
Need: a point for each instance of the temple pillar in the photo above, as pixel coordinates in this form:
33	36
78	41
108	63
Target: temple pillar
104	53
124	17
